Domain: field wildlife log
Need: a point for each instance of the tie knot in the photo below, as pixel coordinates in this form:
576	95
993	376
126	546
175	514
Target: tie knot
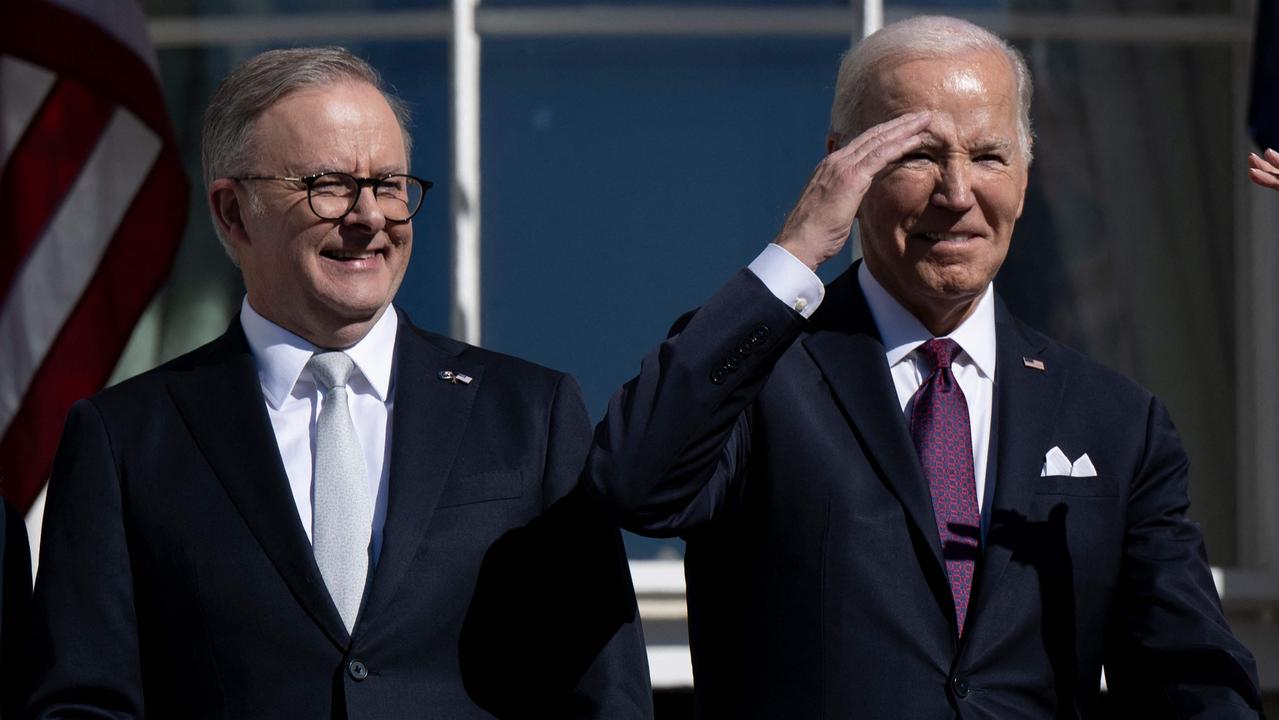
939	351
330	369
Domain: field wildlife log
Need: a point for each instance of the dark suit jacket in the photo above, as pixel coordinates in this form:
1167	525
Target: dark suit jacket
176	579
816	589
15	605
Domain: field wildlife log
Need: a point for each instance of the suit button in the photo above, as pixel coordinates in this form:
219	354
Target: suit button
960	686
745	349
718	375
733	361
357	670
757	337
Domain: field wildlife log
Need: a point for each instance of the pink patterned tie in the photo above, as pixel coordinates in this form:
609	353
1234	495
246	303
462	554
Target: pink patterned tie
943	437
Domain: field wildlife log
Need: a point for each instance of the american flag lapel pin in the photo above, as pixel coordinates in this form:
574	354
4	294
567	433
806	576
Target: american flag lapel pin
456	378
1033	363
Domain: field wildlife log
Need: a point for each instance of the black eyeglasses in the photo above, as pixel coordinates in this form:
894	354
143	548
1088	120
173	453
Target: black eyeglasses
333	195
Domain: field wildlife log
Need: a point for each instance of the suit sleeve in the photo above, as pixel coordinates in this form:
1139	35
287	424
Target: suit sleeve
84	627
1169	642
553	629
676	437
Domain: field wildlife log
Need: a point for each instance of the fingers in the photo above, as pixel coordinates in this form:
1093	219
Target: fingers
1269	164
817	227
869	153
1264	171
1264	179
900	127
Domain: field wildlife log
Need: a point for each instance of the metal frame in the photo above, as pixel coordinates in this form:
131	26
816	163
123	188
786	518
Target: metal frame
603	20
465	93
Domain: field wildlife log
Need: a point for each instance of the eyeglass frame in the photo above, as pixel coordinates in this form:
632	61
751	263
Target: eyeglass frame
360	184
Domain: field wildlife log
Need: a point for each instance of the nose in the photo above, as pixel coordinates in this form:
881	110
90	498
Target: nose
954	188
366	213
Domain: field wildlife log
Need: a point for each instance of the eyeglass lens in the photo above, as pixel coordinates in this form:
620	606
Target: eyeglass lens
335	194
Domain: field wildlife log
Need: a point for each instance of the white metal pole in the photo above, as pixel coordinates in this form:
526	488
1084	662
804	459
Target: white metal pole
465	59
872	16
872	20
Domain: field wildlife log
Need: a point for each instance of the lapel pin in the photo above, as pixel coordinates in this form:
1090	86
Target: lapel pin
1033	363
455	378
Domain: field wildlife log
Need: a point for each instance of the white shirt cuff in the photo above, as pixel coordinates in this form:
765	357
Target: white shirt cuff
789	279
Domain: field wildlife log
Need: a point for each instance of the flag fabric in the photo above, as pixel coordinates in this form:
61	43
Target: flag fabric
93	201
1263	105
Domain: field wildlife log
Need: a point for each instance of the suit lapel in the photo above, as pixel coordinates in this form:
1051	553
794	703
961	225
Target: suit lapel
1026	403
428	423
847	348
222	404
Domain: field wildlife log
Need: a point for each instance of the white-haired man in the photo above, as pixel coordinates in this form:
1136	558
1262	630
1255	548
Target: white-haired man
328	512
904	503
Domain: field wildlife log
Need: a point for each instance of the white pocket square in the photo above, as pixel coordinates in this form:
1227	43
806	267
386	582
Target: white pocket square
1056	463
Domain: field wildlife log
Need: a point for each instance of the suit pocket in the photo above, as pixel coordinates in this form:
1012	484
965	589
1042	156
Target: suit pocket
482	487
1077	486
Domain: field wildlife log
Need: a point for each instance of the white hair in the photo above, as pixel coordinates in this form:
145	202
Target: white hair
226	141
925	37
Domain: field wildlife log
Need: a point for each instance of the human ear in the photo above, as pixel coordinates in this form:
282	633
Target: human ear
227	208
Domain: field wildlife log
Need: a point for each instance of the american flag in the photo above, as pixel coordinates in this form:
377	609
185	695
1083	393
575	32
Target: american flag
93	201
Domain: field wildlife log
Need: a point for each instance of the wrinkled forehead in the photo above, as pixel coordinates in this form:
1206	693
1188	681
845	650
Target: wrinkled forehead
978	78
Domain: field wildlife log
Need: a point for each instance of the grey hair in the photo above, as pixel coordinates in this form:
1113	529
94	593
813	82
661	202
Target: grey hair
924	37
226	141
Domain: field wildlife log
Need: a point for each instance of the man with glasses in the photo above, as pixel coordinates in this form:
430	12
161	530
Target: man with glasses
328	512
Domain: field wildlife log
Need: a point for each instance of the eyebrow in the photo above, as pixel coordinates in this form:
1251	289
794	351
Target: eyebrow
323	169
932	142
989	145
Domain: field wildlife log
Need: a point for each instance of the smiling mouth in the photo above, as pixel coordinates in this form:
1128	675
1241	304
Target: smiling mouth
943	237
349	255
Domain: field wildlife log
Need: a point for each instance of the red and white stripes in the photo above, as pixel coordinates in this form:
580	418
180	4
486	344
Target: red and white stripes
93	201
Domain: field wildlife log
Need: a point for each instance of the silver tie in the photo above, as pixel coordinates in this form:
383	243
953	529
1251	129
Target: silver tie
342	519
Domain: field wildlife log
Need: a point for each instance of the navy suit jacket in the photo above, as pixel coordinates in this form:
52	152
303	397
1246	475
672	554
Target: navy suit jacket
176	579
15	603
777	448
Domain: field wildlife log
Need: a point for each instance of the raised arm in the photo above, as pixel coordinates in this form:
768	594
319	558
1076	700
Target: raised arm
676	438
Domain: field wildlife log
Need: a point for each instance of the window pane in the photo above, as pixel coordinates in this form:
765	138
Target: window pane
626	179
170	8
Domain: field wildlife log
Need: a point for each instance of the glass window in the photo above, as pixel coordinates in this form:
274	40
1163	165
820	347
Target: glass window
626	179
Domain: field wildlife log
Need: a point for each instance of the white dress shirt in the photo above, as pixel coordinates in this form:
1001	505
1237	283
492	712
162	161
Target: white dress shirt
293	401
974	368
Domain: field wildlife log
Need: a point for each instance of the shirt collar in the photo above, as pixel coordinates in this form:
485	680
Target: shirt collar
281	356
902	332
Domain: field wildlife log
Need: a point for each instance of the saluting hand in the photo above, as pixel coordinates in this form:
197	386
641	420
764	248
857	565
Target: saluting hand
821	220
1265	171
